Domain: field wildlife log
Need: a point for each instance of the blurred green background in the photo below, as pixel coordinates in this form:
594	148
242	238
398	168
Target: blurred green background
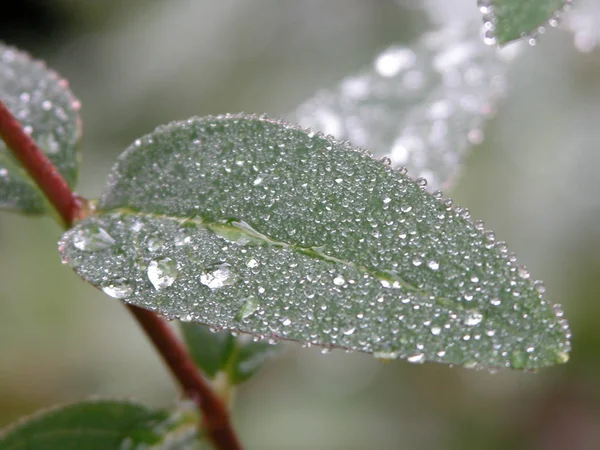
139	63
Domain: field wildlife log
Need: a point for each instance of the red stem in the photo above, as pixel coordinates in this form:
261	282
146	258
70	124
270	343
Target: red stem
71	207
39	167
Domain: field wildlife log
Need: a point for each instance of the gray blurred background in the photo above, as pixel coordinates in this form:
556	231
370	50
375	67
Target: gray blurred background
139	63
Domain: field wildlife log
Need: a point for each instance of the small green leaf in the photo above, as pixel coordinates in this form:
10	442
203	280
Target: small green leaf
102	425
507	20
43	103
239	357
422	106
284	233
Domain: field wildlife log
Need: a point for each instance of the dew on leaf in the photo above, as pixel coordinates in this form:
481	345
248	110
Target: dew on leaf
416	359
118	288
162	273
218	276
92	239
330	265
249	307
474	318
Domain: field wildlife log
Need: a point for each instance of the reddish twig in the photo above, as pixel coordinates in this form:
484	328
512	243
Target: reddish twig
39	167
216	416
70	207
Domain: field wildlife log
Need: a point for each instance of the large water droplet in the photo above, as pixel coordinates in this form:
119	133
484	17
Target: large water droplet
154	243
118	288
92	239
217	276
249	307
162	273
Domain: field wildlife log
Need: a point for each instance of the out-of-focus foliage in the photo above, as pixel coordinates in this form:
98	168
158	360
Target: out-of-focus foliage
43	103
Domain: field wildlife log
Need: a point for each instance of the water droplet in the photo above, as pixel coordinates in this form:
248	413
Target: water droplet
518	359
339	280
385	356
218	276
249	307
539	287
349	331
92	239
495	302
48	143
154	243
416	359
118	288
286	322
252	263
474	318
433	265
436	331
162	273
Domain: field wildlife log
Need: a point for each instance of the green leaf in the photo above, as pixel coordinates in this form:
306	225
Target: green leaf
43	103
239	357
102	425
423	106
507	20
261	227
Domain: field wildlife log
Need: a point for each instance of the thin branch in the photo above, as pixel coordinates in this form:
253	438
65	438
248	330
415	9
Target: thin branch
216	416
70	207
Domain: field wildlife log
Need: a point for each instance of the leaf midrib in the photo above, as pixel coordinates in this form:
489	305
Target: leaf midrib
247	230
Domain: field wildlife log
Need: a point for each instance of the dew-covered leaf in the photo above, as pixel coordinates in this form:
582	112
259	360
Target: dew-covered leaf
102	425
239	357
257	226
422	106
507	20
43	103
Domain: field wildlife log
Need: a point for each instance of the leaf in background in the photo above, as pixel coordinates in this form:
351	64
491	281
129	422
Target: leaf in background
239	357
43	103
421	106
508	20
257	226
102	425
584	22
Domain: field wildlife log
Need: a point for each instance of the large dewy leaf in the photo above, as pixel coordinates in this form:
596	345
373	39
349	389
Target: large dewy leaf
423	106
257	226
102	425
507	20
45	106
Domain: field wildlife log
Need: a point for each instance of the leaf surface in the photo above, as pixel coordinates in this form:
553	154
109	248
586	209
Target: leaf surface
43	103
101	425
257	226
507	20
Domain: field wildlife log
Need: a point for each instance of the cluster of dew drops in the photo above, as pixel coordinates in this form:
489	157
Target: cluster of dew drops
488	32
163	272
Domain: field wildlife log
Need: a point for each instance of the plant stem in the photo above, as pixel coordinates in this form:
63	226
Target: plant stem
71	207
39	167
